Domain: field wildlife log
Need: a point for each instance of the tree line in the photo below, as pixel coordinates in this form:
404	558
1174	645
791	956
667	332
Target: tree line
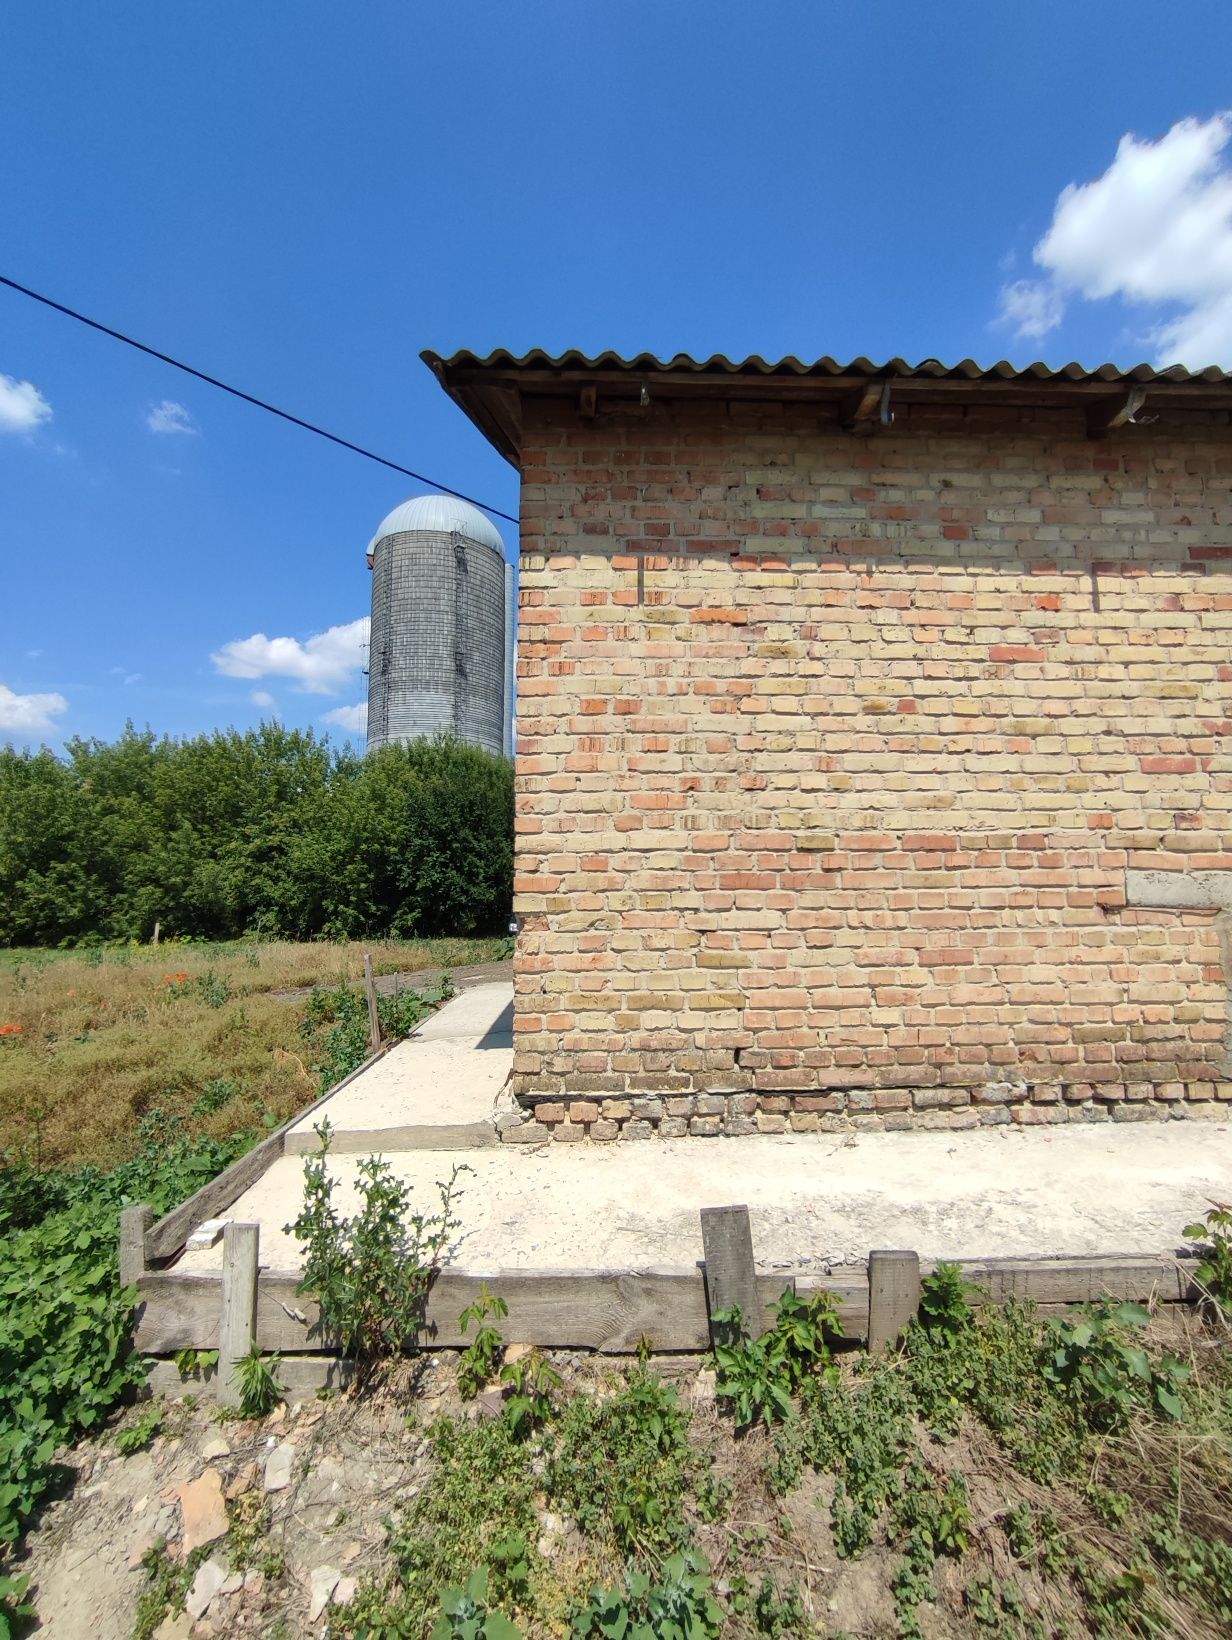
273	831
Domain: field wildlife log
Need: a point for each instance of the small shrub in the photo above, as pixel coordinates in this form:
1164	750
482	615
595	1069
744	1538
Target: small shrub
678	1604
767	1611
213	1096
759	1376
1214	1272
138	1435
335	1021
260	1391
933	1520
15	1611
370	1274
531	1381
945	1306
466	1614
213	989
1106	1372
479	1510
481	1357
192	1363
621	1466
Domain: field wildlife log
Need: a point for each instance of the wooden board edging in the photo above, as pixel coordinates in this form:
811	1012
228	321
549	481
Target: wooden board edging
168	1235
612	1311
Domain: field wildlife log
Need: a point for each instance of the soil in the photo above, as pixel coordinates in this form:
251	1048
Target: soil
348	1461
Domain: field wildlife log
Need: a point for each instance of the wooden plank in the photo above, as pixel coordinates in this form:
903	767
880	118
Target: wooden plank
299	1375
893	1295
609	1310
134	1224
374	1014
170	1233
686	384
1077	1280
237	1327
731	1276
384	1141
604	1310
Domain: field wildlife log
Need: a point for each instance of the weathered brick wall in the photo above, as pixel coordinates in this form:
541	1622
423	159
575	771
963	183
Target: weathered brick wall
834	753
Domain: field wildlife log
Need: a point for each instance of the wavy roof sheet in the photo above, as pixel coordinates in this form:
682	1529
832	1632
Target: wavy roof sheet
489	387
718	364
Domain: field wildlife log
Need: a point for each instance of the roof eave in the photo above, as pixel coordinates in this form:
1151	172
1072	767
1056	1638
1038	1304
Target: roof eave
489	390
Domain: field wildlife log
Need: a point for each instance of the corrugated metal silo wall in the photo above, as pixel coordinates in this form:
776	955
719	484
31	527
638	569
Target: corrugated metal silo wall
436	660
511	662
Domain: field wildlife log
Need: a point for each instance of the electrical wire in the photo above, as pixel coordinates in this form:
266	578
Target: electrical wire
248	398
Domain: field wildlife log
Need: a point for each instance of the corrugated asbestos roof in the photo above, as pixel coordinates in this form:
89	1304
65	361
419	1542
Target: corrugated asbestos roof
718	364
490	388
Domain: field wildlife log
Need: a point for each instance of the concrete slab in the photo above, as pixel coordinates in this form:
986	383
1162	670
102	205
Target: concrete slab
816	1200
435	1091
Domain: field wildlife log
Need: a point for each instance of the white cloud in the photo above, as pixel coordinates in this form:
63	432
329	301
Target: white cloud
28	714
1155	230
170	417
261	697
1032	306
22	406
354	719
321	666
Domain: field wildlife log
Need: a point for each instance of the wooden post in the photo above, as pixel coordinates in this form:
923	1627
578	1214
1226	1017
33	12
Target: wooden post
157	926
893	1296
238	1324
134	1222
374	1018
731	1279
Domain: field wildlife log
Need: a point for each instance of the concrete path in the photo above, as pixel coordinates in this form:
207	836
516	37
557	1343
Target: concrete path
437	1090
816	1200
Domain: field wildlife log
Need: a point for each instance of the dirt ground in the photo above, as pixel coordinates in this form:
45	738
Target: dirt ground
347	1463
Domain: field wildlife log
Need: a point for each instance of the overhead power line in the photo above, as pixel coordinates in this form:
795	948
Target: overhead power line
248	398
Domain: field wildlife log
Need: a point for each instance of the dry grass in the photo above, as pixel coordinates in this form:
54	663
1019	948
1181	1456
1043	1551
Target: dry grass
104	1039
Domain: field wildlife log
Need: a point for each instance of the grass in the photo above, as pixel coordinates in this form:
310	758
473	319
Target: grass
198	1032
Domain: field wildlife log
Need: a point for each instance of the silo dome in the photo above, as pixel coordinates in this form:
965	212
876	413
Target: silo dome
439	514
440	657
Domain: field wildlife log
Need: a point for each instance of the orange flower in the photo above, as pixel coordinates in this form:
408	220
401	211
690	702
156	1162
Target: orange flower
10	1030
71	993
180	978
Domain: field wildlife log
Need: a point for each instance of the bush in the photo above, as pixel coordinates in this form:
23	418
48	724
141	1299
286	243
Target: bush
66	1356
270	830
370	1274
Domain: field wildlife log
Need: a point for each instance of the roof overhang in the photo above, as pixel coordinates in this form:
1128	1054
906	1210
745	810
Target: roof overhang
491	389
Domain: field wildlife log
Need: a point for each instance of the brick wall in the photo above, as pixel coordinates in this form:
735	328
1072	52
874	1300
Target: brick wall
834	753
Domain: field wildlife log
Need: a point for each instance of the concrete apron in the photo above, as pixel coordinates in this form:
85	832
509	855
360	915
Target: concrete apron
437	1090
817	1201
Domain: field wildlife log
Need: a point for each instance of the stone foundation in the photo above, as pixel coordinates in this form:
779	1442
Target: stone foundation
882	1110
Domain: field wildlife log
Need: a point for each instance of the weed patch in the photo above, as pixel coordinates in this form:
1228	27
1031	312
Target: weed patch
622	1467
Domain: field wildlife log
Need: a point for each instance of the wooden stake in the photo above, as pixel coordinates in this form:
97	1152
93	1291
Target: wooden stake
157	926
374	1018
134	1222
731	1279
893	1296
237	1327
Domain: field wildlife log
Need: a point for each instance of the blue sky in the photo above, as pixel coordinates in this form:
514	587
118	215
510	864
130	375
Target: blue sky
298	197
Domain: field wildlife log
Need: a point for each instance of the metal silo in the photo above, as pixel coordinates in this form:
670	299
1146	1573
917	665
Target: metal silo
439	651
